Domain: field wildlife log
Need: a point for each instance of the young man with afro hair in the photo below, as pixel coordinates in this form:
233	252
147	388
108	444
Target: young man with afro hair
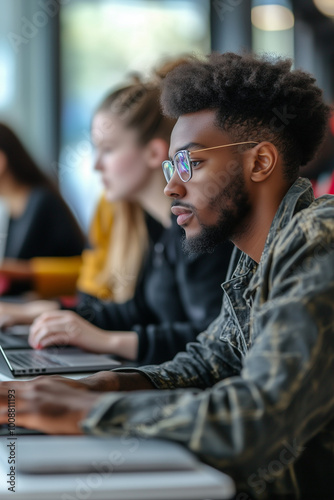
254	395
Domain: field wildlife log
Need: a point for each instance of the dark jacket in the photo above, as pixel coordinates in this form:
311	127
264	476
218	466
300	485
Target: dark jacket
175	299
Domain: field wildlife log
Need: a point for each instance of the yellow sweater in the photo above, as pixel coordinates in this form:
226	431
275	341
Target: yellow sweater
94	259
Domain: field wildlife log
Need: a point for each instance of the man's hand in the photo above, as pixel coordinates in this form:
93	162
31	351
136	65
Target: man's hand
105	381
56	405
46	405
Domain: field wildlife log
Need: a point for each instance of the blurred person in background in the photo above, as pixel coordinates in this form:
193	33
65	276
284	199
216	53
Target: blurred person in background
39	226
175	296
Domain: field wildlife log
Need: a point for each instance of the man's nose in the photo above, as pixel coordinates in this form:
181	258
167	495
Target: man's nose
175	187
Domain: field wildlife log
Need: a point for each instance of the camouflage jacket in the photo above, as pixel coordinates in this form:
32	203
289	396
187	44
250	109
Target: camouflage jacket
254	396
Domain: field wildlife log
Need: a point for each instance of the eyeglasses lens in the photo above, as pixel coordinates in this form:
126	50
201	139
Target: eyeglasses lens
168	169
182	165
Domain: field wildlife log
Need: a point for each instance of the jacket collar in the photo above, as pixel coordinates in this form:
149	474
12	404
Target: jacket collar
299	196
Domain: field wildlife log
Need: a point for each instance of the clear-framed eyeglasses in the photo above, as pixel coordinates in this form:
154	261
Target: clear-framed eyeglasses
182	161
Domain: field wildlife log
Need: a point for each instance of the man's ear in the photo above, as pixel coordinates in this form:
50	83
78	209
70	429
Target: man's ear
264	161
156	152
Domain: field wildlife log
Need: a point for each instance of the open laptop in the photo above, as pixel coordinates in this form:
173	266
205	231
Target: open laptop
56	360
101	468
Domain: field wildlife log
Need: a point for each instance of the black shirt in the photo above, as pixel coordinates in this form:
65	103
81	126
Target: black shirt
176	297
45	229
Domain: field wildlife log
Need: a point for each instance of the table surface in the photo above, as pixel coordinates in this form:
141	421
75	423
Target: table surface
200	482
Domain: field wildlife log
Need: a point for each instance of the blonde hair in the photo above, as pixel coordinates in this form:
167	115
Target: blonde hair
138	106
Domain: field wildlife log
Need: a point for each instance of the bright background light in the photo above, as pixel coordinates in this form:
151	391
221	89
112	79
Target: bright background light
6	77
325	6
272	17
273	27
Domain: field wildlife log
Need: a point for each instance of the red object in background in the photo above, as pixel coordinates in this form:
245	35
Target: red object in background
4	284
331	186
69	301
331	126
331	123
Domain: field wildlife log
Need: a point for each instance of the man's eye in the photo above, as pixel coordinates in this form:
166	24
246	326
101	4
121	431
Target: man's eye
195	164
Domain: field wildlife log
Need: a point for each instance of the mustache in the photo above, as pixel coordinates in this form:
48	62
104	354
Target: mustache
176	203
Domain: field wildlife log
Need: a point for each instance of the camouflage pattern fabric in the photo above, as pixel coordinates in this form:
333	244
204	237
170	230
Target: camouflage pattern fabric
254	396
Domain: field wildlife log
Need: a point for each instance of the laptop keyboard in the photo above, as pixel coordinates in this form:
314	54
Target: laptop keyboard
34	359
56	360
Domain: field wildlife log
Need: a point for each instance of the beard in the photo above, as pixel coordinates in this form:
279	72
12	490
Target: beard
233	207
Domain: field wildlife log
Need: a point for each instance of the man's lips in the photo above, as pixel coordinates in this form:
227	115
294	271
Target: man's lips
183	214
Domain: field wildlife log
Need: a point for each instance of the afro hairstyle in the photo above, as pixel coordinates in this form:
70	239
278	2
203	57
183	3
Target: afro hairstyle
255	98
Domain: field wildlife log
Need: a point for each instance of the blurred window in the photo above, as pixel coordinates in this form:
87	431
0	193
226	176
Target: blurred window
29	75
102	41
